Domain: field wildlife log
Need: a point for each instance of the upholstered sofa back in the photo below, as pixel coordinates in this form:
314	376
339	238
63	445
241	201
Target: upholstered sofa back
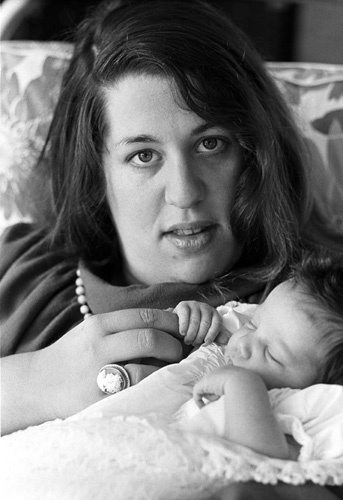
31	73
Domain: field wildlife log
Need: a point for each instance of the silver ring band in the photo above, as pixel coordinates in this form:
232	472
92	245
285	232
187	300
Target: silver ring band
112	379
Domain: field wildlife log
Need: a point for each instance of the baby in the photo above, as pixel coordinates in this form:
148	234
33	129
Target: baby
293	339
256	366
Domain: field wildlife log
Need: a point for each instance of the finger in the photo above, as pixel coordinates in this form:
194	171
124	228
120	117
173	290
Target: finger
202	399
199	402
205	326
197	396
193	325
223	336
255	298
183	312
132	319
142	343
215	327
198	393
139	372
211	397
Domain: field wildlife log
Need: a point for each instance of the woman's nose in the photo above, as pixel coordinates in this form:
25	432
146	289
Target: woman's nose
184	187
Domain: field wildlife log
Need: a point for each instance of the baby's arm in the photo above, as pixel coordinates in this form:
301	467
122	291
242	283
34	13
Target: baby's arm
249	419
200	322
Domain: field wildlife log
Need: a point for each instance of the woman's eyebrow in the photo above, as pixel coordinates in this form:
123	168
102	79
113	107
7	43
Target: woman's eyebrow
134	139
204	127
150	138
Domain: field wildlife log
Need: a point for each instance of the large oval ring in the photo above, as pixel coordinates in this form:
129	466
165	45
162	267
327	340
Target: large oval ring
112	379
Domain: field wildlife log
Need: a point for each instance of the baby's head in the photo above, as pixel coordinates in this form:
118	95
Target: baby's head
295	337
321	278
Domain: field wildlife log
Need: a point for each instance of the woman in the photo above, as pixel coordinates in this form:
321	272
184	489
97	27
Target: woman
175	173
173	163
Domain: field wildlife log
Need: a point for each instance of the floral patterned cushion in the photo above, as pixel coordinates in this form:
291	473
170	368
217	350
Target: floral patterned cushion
30	77
315	94
30	80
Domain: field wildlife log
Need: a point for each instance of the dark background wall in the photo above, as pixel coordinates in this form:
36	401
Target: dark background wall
283	30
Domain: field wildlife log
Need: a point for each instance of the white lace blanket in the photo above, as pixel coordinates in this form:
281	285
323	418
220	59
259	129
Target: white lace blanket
93	458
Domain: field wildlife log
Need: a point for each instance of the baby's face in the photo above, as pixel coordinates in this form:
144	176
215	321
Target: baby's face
280	342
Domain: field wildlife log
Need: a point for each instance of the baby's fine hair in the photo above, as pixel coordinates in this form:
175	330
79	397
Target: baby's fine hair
321	274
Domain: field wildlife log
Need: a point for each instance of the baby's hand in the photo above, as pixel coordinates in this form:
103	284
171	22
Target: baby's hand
199	323
225	379
211	387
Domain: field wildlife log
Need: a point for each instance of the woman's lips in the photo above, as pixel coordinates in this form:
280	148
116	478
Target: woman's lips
187	232
191	239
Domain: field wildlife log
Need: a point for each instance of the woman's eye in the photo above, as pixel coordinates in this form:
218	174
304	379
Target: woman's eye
212	144
143	157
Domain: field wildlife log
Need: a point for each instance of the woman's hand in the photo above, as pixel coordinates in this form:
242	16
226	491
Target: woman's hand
60	380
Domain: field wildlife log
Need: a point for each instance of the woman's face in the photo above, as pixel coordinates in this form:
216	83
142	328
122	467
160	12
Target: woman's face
171	180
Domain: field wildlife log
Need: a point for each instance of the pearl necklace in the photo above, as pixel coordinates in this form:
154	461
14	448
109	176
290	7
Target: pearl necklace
81	296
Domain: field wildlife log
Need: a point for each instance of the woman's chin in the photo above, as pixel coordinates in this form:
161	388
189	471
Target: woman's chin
193	271
196	275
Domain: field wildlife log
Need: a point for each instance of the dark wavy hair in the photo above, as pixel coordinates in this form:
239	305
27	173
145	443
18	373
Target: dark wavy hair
222	79
320	273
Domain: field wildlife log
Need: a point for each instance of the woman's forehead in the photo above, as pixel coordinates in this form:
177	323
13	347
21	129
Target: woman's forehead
148	105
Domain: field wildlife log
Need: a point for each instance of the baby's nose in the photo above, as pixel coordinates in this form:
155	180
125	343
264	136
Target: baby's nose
244	347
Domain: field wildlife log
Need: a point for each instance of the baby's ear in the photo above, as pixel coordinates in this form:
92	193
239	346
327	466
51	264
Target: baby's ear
223	337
